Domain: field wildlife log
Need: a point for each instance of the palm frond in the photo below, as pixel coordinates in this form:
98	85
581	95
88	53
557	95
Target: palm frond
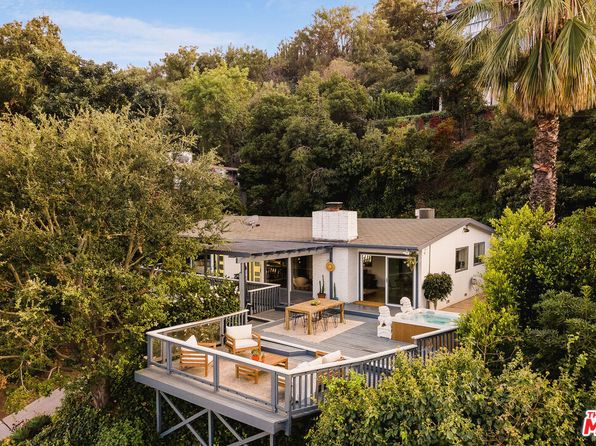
575	61
473	49
502	59
537	85
483	9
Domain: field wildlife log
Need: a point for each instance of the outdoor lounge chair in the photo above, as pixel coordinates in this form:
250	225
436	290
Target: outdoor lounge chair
241	339
192	358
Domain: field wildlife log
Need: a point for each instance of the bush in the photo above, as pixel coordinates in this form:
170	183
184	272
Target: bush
33	427
450	399
121	433
436	287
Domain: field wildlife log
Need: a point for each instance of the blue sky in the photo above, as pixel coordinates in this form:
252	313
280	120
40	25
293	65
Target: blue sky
137	32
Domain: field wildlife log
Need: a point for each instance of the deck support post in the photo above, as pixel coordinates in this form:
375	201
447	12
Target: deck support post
211	416
158	411
210	427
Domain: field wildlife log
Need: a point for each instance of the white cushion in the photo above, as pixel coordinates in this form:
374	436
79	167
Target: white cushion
240	331
332	357
192	341
245	343
306	365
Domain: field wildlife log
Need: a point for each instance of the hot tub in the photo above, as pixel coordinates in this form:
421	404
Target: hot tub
406	325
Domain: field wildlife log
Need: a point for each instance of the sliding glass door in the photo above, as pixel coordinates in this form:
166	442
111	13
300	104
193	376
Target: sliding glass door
385	279
400	281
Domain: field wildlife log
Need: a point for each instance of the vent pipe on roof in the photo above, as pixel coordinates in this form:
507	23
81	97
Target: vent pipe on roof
425	213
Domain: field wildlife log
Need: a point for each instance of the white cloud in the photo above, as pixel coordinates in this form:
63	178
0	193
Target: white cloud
125	40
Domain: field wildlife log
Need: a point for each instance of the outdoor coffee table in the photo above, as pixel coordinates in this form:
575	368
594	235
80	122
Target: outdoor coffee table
247	371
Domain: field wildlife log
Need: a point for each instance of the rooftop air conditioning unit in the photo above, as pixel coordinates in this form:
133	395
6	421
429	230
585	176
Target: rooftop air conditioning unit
425	213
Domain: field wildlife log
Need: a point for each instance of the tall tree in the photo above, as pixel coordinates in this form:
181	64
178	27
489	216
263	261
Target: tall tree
541	57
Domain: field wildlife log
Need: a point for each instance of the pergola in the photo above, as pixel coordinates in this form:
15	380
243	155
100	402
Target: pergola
246	251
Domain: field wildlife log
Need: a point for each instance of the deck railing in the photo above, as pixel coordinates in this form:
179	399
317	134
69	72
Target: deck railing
429	343
261	296
291	392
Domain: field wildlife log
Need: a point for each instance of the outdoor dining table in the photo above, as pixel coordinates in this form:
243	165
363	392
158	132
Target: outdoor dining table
310	310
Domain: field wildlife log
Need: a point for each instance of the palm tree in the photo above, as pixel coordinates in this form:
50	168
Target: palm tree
540	57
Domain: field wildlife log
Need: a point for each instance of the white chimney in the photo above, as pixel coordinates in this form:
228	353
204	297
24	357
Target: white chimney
333	223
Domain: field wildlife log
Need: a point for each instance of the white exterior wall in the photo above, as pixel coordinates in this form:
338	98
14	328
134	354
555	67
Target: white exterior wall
319	262
231	268
440	256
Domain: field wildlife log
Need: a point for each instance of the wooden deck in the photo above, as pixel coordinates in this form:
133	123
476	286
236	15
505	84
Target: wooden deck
358	341
463	306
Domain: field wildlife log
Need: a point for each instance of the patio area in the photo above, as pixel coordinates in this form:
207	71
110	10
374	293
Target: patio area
357	337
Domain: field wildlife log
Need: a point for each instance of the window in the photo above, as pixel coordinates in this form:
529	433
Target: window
478	252
461	259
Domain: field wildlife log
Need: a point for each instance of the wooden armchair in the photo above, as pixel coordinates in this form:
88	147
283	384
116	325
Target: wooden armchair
192	358
241	338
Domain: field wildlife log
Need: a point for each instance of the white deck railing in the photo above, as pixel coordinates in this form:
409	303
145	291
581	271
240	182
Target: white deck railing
292	392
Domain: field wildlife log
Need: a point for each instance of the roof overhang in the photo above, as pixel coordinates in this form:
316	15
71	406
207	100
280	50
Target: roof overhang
256	250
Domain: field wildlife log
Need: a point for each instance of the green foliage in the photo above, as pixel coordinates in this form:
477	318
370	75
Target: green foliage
451	399
490	332
121	433
565	330
38	74
33	427
85	203
218	99
437	287
192	298
534	275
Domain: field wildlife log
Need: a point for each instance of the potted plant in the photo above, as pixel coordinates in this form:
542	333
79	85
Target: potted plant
436	287
255	354
321	294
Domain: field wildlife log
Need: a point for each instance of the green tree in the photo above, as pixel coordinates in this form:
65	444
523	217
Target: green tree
437	287
540	57
85	204
451	399
218	101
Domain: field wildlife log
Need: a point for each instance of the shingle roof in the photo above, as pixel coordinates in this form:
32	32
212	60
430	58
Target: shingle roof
377	232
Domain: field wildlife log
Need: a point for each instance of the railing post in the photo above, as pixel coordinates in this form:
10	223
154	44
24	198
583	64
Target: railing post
216	372
274	391
169	357
149	350
288	394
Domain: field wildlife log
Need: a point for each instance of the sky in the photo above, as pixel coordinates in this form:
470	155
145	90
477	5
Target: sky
137	32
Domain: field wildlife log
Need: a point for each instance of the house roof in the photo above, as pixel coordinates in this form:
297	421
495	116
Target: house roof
262	248
372	232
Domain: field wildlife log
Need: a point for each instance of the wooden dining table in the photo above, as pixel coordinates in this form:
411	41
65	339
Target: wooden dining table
310	310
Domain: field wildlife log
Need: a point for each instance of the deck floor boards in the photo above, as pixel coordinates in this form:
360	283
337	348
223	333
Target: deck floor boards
358	341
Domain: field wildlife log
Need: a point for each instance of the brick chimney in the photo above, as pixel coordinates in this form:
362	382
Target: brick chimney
334	224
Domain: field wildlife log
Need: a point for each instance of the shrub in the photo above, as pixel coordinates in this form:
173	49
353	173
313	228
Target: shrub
436	287
121	433
450	399
33	427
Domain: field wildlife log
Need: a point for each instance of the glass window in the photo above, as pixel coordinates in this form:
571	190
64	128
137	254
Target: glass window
276	271
478	252
461	259
302	273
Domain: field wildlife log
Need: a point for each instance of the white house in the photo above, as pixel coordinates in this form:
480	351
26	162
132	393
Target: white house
363	260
